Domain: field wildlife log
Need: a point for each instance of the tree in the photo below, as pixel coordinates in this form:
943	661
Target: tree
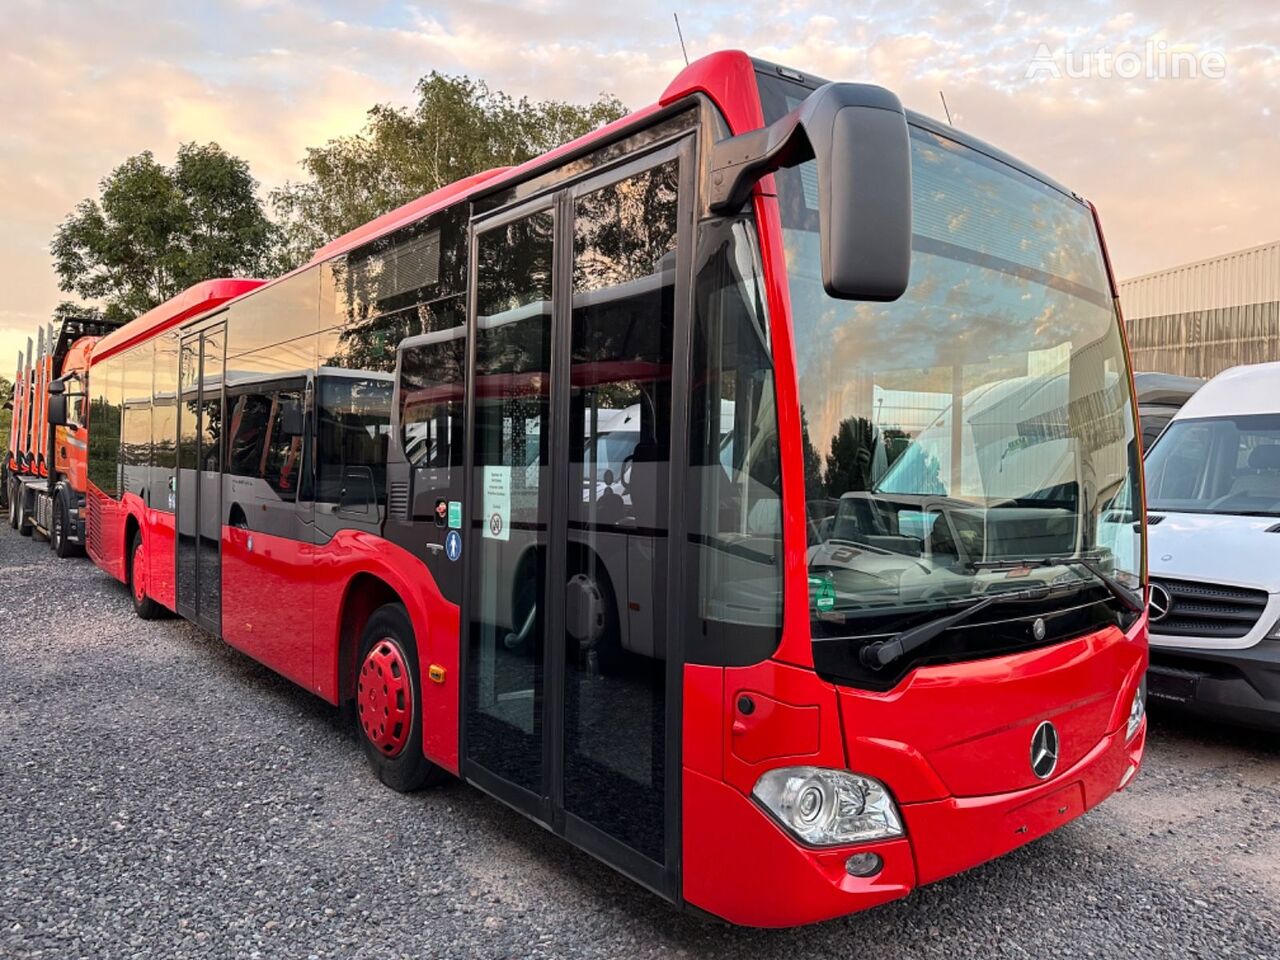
156	230
6	408
458	127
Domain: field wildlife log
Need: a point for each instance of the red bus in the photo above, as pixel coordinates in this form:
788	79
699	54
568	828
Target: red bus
748	492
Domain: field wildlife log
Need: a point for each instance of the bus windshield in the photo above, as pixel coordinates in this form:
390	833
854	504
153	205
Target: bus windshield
983	419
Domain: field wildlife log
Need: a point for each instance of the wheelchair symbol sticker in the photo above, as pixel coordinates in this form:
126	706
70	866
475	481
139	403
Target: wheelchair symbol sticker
453	545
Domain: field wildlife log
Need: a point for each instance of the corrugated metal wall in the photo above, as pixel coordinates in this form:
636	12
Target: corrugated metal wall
1200	318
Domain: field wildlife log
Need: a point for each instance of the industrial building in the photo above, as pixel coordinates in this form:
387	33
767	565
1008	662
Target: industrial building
1200	318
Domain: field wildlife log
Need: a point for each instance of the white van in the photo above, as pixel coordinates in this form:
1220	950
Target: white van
1213	502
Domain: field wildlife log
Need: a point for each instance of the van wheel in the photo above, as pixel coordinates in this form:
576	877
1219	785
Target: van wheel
143	605
388	706
59	538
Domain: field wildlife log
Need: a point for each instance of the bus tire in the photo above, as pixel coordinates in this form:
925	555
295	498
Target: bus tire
59	538
388	706
143	605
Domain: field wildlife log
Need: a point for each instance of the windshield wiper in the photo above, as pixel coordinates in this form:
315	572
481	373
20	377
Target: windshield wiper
1089	561
1118	590
880	654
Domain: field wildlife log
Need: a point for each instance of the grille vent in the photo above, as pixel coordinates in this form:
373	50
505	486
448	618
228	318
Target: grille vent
398	500
1208	610
93	526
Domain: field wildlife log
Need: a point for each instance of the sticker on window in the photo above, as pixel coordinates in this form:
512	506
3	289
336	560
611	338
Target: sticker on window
497	503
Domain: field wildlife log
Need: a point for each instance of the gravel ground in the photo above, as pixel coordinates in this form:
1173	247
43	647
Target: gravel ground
162	795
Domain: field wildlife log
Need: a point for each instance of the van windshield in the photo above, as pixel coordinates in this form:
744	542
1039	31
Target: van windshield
1228	465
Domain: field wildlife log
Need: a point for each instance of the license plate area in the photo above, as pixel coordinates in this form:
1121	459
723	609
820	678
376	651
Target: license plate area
1040	816
1169	683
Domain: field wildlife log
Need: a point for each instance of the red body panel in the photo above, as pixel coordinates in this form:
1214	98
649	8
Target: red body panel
795	720
948	836
941	732
161	555
966	728
740	866
105	524
434	619
265	591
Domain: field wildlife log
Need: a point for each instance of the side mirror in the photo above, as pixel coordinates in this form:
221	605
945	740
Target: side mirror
57	406
858	135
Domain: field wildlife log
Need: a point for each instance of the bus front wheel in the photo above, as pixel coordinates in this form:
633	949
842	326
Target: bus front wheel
388	706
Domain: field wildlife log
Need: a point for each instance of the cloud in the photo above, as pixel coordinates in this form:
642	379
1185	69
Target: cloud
1180	169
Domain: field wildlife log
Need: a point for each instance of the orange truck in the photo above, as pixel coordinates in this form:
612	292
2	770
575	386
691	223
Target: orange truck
45	466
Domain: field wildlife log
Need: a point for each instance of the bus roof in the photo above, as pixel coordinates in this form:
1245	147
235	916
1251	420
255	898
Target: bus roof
196	299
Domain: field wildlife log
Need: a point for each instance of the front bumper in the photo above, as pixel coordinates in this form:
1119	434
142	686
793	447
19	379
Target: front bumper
742	867
952	835
1237	686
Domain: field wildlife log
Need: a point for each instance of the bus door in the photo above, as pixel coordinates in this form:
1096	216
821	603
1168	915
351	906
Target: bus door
571	704
199	480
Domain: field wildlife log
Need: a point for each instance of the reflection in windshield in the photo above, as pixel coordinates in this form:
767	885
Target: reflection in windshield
1228	465
981	420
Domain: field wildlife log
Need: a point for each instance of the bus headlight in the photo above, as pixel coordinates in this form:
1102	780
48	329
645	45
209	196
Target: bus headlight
1137	710
824	807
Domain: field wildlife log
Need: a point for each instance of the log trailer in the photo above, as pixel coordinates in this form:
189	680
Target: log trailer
44	470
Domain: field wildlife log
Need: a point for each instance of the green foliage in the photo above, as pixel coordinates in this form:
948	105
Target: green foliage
6	408
458	127
156	230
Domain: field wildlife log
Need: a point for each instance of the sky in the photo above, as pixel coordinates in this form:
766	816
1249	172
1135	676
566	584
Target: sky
1163	112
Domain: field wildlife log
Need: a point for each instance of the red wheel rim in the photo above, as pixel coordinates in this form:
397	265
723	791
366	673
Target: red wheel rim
139	575
384	697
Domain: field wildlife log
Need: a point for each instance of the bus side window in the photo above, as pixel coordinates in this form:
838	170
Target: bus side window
431	400
282	458
354	421
735	464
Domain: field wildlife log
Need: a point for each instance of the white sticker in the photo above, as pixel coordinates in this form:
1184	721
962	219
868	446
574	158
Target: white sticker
497	503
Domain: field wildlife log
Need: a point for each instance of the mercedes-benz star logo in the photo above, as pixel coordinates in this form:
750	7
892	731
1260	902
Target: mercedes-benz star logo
1161	603
1044	750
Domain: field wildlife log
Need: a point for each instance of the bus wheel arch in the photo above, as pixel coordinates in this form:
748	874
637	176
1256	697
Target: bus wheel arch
365	593
381	678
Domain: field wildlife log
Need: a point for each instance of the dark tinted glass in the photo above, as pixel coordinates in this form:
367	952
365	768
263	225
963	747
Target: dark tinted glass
274	316
164	422
106	408
510	535
735	473
282	462
135	436
246	439
211	440
620	455
265	440
353	424
419	264
1225	465
432	407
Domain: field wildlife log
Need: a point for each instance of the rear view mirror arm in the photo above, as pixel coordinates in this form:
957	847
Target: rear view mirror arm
858	135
